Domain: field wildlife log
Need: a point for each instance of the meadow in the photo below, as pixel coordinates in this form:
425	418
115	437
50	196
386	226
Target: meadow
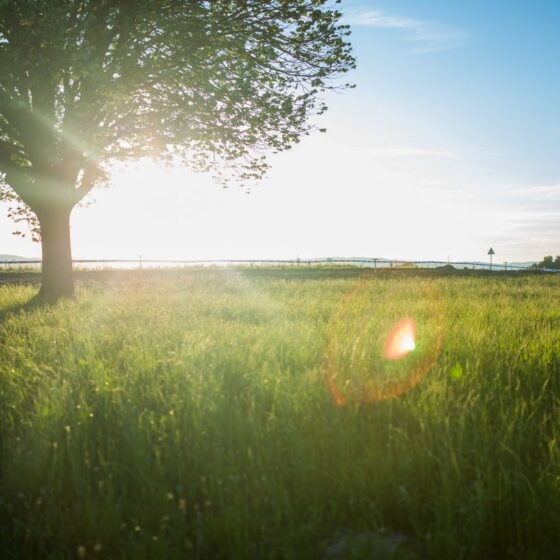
223	413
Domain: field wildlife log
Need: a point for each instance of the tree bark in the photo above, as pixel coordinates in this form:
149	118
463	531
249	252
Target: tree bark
57	279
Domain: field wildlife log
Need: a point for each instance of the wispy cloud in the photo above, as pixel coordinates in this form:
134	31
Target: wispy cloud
370	145
531	215
531	235
377	18
530	201
412	152
427	36
542	191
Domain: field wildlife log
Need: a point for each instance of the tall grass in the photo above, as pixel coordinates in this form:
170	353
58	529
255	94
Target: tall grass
186	415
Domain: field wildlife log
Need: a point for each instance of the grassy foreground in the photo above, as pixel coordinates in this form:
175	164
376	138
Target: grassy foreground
186	415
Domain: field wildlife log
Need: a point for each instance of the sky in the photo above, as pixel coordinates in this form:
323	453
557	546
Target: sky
449	145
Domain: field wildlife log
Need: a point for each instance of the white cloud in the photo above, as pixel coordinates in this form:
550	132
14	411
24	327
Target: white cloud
427	36
539	199
411	152
541	191
376	18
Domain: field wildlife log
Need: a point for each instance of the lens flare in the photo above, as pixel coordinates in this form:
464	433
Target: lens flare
382	339
401	339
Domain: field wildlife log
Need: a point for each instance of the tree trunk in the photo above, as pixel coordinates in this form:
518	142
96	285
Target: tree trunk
56	279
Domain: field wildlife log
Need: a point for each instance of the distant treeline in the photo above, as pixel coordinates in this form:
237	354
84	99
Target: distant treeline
549	262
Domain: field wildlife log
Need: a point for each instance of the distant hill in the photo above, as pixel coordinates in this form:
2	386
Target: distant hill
526	264
424	263
4	258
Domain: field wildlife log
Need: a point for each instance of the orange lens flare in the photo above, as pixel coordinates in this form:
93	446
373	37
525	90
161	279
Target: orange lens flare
366	369
401	339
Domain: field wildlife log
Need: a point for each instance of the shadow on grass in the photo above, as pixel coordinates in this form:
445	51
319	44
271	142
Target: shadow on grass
36	302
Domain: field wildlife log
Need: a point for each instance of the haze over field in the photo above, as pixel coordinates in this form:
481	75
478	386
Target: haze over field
449	145
331	407
191	414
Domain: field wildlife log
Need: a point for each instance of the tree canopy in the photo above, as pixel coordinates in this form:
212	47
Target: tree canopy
87	81
213	84
549	262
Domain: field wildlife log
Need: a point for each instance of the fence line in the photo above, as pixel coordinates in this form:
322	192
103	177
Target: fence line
369	262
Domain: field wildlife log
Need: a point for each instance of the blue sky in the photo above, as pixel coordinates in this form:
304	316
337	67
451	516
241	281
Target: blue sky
486	75
480	82
449	144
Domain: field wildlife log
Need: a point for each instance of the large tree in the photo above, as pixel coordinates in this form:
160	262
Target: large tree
211	84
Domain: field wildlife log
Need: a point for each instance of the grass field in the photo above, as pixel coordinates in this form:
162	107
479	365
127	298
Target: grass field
190	414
